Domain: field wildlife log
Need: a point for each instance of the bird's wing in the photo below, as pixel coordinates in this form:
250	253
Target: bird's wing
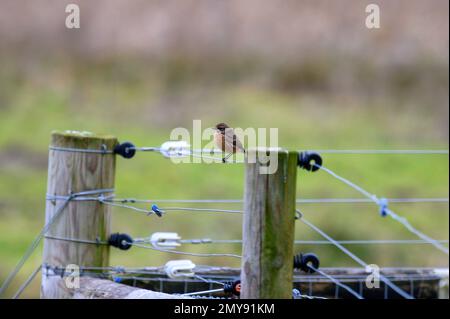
230	136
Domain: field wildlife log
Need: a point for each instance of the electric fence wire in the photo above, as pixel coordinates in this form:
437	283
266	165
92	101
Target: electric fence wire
382	203
73	196
186	150
200	241
77	240
323	151
300	296
183	252
177	252
355	258
138	242
216	272
206	291
27	282
378	152
202	292
119	203
42	233
318	242
298	201
120	274
121	270
209	281
337	282
124	202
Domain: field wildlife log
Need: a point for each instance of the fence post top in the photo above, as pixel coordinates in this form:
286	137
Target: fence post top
81	134
83	140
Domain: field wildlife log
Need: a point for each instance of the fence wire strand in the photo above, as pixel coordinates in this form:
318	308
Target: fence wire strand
355	258
389	212
124	203
43	231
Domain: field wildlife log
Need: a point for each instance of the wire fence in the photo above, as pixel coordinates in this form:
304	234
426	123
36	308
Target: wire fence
122	274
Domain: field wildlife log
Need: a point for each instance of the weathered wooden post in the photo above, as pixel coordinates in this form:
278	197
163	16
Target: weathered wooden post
268	227
72	171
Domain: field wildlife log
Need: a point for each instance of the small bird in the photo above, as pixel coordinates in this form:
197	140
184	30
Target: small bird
227	141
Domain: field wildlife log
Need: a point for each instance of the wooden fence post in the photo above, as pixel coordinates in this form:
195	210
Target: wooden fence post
268	228
72	172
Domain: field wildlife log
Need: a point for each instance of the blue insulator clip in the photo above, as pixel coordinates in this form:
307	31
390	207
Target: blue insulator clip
156	210
383	203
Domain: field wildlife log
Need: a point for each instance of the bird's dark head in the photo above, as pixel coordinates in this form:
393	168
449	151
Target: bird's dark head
221	127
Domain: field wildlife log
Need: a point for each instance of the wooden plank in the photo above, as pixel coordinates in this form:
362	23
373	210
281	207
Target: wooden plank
268	228
72	172
92	288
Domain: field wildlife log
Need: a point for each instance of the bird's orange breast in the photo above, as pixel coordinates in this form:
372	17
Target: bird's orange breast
219	139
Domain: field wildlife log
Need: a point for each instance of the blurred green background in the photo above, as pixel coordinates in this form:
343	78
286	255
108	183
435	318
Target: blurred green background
137	69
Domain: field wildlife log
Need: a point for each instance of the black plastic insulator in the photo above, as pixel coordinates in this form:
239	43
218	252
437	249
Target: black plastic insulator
121	241
305	160
233	287
125	149
301	261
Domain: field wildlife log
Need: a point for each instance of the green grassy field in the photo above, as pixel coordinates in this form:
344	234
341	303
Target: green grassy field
144	110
